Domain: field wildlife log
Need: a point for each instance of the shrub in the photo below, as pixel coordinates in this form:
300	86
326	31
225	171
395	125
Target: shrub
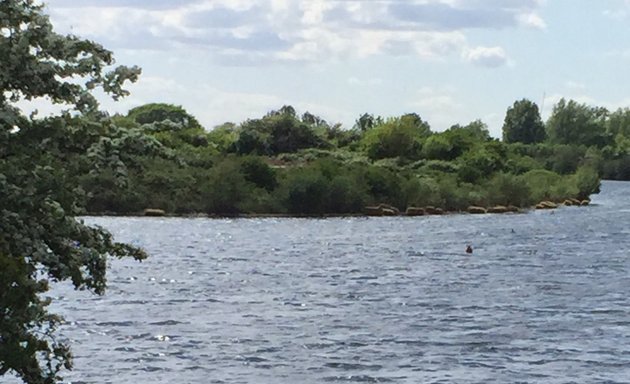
507	189
259	173
541	183
587	182
306	192
421	192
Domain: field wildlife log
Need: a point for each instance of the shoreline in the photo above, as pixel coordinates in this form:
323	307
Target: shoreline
306	216
381	210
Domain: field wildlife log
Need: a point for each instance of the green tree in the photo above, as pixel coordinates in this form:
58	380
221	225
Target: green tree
523	123
223	136
254	137
567	158
455	141
438	147
367	121
580	124
41	241
288	134
400	136
159	112
175	128
277	132
619	123
313	120
482	161
476	131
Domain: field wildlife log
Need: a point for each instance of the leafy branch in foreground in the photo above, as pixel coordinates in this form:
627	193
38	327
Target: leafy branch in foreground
40	239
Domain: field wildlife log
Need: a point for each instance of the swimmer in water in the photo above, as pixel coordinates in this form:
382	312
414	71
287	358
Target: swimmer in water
469	249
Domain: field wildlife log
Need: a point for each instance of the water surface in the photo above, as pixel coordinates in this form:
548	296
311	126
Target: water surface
544	298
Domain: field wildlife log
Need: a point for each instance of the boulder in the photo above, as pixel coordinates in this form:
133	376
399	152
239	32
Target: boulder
414	211
550	204
513	208
585	202
389	212
438	211
576	201
373	211
154	212
476	210
498	209
568	202
384	207
546	205
430	210
381	210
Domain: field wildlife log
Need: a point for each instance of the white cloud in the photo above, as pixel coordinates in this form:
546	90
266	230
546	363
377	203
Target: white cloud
313	11
205	102
532	20
582	97
295	31
443	107
438	106
486	56
209	104
467	14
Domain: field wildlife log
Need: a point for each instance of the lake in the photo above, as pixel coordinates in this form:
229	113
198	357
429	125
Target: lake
545	297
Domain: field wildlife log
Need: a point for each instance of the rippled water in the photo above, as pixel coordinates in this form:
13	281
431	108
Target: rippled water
543	298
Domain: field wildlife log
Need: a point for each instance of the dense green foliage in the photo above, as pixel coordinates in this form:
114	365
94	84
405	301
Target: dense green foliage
283	163
40	159
578	124
523	124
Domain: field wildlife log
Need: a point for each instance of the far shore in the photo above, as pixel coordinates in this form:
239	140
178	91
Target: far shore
291	216
381	210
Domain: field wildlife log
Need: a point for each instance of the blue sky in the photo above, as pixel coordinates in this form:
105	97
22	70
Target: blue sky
450	61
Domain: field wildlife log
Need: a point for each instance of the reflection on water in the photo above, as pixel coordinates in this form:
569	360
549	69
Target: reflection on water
543	298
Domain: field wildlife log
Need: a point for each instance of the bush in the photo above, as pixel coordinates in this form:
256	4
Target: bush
345	196
481	162
587	182
457	196
507	189
437	147
398	137
421	192
306	192
225	189
517	164
567	158
383	186
259	173
541	182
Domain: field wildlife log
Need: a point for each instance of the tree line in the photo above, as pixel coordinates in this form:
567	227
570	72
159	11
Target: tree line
574	134
290	163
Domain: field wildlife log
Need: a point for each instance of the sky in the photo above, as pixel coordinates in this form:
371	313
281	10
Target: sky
450	61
